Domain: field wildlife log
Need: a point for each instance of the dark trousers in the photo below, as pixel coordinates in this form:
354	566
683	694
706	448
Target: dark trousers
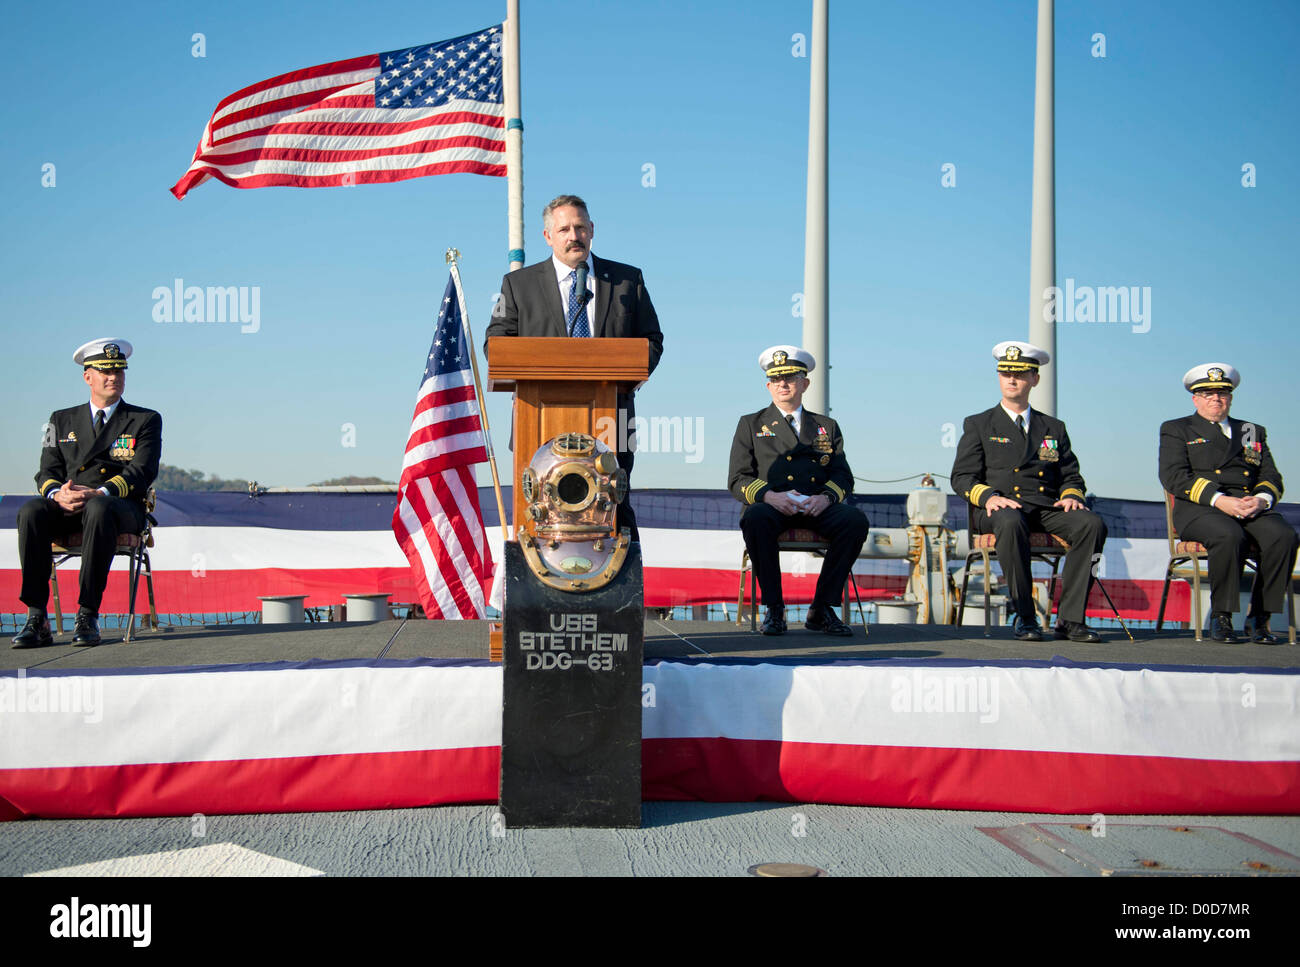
1228	540
1086	533
41	521
624	516
843	526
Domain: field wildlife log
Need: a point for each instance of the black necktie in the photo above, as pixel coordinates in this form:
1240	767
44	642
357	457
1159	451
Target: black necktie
100	420
1020	425
789	418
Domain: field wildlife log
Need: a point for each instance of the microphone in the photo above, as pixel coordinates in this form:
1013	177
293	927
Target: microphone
581	284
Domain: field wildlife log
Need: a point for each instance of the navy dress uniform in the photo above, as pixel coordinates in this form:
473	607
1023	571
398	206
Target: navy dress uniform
1030	462
102	458
786	450
1209	462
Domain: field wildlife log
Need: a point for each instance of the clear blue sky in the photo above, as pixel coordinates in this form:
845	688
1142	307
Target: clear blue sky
1151	141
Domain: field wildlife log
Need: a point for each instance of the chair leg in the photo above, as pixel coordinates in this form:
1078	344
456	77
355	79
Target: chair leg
1055	561
965	579
740	594
1164	597
753	599
1196	598
857	595
148	579
1290	610
988	597
54	585
132	583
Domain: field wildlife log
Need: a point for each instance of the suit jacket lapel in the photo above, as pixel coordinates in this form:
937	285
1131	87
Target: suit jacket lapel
775	421
600	279
1037	431
1003	425
1220	445
549	294
84	427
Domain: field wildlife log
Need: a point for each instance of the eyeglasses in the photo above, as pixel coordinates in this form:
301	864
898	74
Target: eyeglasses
787	378
1206	394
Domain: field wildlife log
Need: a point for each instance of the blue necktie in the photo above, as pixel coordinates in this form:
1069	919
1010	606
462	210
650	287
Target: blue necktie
576	318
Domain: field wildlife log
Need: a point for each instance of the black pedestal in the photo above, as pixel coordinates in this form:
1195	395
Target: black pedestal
571	705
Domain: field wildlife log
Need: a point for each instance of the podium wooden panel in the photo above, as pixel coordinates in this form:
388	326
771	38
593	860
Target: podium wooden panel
563	385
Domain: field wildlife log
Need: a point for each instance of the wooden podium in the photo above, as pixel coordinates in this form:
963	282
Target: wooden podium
572	672
563	385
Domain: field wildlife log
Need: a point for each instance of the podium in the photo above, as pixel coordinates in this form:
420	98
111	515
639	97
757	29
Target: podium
572	647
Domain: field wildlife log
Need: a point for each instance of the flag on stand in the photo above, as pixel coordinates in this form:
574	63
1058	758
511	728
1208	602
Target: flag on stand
428	110
437	521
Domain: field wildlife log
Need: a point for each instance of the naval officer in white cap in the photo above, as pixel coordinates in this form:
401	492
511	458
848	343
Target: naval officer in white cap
789	470
1225	486
98	460
1016	469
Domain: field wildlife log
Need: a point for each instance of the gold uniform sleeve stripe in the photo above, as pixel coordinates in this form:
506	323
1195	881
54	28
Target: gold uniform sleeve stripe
1072	492
120	484
839	491
45	487
977	492
751	491
1198	489
1264	483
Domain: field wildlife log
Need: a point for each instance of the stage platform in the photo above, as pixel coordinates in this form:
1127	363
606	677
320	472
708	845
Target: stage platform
397	640
340	717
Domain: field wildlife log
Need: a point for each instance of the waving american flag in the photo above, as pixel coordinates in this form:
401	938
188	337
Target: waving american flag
427	110
437	521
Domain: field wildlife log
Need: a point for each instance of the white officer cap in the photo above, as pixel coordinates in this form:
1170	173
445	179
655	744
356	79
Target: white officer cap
106	353
1018	356
784	360
1211	376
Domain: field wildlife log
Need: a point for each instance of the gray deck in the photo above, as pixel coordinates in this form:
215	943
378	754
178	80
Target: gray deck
193	645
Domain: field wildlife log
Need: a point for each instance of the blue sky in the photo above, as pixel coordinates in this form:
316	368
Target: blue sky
1151	140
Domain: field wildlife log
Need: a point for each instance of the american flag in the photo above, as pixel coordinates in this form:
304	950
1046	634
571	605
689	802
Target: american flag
437	521
428	110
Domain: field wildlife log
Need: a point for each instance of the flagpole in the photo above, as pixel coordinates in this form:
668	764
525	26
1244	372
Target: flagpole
453	257
514	137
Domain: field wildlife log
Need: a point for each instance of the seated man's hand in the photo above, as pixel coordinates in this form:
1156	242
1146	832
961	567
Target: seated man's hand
816	505
1239	507
782	502
1000	503
72	497
1068	504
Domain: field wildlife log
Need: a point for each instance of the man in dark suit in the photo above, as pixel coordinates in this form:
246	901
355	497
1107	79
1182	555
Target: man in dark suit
97	462
574	293
1225	484
1018	472
788	467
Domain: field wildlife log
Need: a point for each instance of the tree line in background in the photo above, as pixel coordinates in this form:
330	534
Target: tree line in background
174	478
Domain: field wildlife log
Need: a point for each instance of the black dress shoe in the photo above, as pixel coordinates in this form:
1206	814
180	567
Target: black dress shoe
36	633
1027	630
1262	634
1075	631
773	622
1221	628
86	631
827	622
